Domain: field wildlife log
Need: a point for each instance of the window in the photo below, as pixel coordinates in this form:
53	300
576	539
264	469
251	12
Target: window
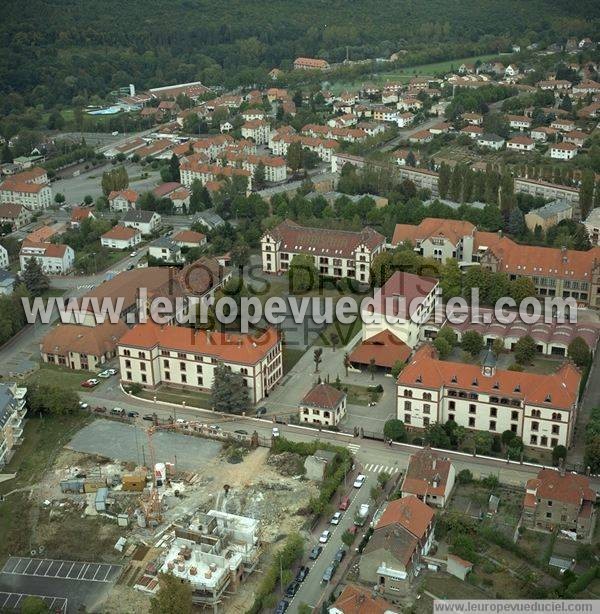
128	364
167	375
451	417
144	377
492	425
142	366
514	415
128	375
535	426
472	422
452	405
426	408
548	514
406	418
407	405
513	428
555	429
407	392
183	378
472	408
427	396
198	368
553	442
182	366
493	412
425	421
166	364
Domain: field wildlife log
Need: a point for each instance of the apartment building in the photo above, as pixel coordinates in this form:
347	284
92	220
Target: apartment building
54	258
336	253
310	64
549	215
150	354
147	222
33	196
423	178
323	405
12	415
541	409
192	170
258	130
324	148
559	500
552	191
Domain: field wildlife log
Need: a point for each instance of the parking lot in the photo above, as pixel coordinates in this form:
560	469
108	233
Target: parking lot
67	586
10	602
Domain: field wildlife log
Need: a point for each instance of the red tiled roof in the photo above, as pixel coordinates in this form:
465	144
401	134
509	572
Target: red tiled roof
427	474
237	348
10	210
165	188
80	213
558	390
121	233
323	395
453	230
569	488
189	236
128	194
521	140
324	241
22	186
51	250
410	513
359	600
384	347
93	340
407	290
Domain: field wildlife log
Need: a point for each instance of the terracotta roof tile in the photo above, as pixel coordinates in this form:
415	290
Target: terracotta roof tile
93	340
323	395
384	347
427	474
410	513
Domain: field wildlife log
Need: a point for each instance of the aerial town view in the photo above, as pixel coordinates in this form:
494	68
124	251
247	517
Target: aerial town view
299	306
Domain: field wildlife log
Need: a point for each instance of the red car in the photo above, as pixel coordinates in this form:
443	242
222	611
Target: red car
90	383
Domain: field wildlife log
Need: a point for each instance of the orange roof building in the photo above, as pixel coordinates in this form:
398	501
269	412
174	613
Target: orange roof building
557	499
323	405
310	64
430	477
360	600
541	409
385	348
151	354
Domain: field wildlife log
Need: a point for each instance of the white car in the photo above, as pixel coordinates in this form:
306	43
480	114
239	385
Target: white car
336	518
324	538
133	254
275	432
106	373
360	480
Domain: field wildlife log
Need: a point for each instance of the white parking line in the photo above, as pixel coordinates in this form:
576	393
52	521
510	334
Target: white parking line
34	568
83	571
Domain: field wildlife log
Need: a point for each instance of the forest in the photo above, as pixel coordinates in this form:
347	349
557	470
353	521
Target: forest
66	51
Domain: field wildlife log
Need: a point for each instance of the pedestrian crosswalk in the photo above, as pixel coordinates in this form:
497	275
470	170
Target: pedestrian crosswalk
353	447
86	286
389	469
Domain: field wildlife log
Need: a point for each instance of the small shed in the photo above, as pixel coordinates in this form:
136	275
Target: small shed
493	504
316	465
561	563
458	567
101	497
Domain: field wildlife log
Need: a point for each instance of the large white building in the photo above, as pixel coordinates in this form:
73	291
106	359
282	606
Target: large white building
541	409
30	188
336	253
12	416
54	258
258	130
150	355
3	257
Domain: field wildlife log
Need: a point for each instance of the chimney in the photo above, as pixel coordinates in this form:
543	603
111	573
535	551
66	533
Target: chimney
500	234
208	338
563	251
561	466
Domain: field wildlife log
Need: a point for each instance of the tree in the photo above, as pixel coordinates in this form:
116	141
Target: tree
451	279
34	278
447	333
507	194
228	392
464	476
397	369
525	349
516	222
240	254
347	363
303	274
59	198
483	442
114	180
498	347
586	192
507	437
347	539
259	179
295	156
88	200
559	453
317	358
444	180
174	596
472	342
52	400
443	347
591	456
579	352
334	339
394	429
372	368
521	288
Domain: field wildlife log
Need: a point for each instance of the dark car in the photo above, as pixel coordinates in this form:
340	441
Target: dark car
241	432
328	574
314	553
339	555
292	589
133	414
261	411
282	606
149	417
302	573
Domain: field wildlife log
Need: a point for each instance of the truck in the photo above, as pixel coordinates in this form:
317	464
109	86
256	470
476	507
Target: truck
361	515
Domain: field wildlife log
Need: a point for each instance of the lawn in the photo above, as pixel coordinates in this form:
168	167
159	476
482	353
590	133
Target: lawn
360	395
58	376
445	586
290	357
407	73
42	440
174	395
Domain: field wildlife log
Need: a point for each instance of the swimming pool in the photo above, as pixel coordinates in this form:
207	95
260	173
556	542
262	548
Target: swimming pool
107	111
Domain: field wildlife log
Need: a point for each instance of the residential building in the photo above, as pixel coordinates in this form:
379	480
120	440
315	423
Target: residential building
547	190
7	282
558	500
519	122
492	141
549	215
147	222
3	257
79	347
564	125
429	477
14	214
542	133
323	405
150	354
422	136
258	130
356	599
474	119
423	178
472	131
12	415
563	151
189	239
166	250
541	409
336	253
310	64
123	200
577	137
521	143
33	196
404	303
80	214
121	237
54	258
401	538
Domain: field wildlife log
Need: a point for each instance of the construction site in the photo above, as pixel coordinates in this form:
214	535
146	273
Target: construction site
213	524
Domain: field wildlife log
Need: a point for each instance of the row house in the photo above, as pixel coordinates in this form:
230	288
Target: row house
423	179
351	135
252	114
275	166
545	189
409	104
54	258
191	171
382	113
587	87
541	409
151	355
371	128
310	64
258	130
430	477
336	253
556	85
212	146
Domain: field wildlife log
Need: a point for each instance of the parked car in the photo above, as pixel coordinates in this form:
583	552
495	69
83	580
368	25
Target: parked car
314	553
107	373
275	432
100	410
302	573
340	554
133	254
336	518
149	417
133	414
241	432
282	606
83	405
117	411
344	503
328	574
261	411
324	538
90	383
360	480
292	589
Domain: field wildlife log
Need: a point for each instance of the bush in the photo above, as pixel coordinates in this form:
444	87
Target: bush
394	429
464	477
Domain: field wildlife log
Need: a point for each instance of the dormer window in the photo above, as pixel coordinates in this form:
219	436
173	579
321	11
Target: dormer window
454	379
548	398
475	382
517	388
496	386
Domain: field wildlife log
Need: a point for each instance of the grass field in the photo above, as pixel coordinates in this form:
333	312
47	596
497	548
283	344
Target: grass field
42	441
59	376
405	74
173	395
